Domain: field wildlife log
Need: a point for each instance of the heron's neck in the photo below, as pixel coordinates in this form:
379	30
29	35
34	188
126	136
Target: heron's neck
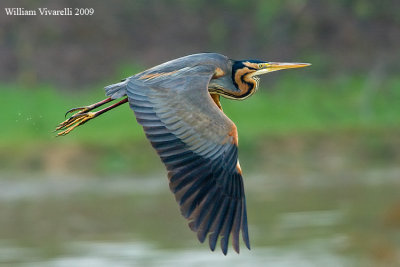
245	82
227	87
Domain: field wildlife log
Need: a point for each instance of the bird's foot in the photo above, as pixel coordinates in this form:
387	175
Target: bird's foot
83	115
74	121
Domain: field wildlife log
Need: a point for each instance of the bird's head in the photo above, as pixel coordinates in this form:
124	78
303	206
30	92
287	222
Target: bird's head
245	73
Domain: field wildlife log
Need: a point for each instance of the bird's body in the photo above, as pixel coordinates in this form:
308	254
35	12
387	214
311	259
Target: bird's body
177	103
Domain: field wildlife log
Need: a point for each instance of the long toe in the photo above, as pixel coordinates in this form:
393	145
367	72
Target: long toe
78	119
80	109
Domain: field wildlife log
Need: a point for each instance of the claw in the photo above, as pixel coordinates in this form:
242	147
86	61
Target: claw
81	110
78	119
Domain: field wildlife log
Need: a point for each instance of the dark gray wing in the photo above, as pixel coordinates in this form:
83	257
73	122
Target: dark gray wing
197	143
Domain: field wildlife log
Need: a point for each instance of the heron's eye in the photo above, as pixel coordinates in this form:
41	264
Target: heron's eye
261	66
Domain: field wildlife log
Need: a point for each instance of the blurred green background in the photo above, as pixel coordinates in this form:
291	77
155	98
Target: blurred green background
319	147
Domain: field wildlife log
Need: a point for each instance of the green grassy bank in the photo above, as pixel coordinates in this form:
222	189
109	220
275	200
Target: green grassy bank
292	108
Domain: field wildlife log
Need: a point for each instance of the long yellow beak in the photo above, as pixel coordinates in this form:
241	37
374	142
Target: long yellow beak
273	66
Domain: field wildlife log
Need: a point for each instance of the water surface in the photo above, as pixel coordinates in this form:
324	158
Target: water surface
308	220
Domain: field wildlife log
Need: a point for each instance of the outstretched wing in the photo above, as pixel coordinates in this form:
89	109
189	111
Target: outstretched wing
197	143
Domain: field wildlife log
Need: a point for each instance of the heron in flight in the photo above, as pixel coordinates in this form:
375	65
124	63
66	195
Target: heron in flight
178	105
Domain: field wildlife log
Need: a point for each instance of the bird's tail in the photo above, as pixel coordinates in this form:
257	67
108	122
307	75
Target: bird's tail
116	90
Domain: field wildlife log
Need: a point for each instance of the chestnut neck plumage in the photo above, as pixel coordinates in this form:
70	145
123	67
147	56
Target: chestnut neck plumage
237	84
243	79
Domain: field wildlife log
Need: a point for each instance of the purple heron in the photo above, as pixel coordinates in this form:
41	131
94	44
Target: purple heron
178	105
